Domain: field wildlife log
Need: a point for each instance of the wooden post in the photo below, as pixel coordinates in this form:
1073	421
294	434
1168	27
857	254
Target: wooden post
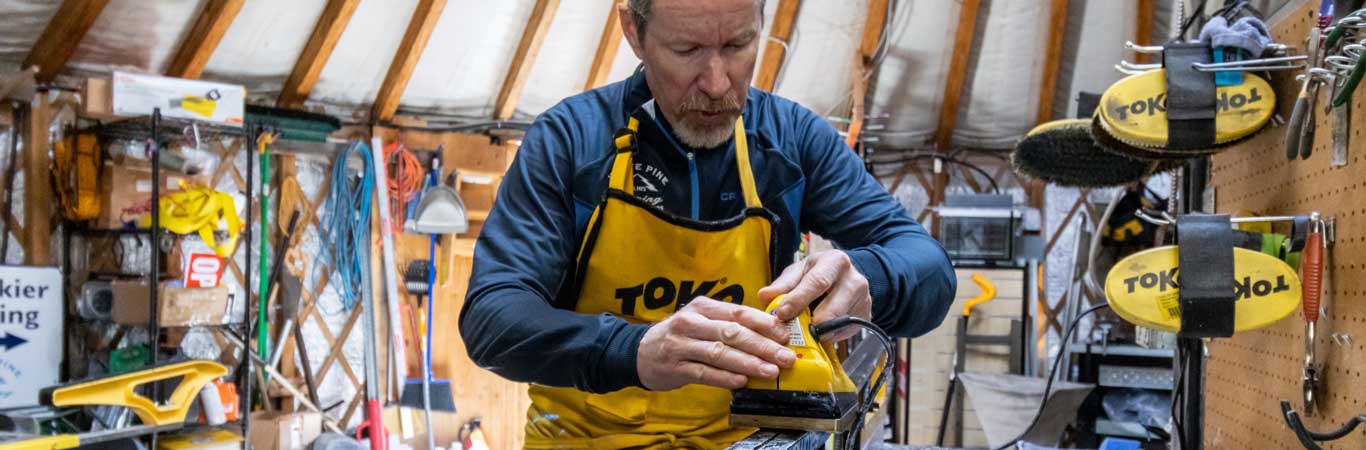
863	63
61	36
537	26
1048	83
405	59
203	38
958	67
1143	29
608	45
38	195
336	15
775	50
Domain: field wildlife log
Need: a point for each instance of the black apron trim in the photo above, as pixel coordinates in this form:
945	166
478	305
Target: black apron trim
698	225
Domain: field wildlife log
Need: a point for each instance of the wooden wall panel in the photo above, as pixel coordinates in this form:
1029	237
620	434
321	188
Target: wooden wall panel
500	404
932	354
1249	374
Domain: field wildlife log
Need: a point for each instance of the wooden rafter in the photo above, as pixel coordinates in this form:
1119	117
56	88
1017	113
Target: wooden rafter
872	29
37	186
775	50
203	38
336	15
608	45
863	62
958	69
405	59
1048	83
1143	29
63	33
537	26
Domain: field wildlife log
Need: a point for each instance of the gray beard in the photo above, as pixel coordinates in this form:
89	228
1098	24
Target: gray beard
703	138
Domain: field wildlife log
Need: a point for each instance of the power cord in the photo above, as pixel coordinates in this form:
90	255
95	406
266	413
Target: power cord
1052	373
348	222
817	330
405	179
996	187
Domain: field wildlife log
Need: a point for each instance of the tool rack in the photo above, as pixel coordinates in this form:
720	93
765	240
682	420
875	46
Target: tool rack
1247	375
153	130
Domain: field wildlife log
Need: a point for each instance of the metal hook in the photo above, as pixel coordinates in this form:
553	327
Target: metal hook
1308	437
1342	64
1144	67
1353	50
1121	69
1145	216
1252	64
1149	49
1320	75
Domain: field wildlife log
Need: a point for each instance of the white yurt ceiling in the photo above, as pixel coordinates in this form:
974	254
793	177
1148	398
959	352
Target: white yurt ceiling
460	73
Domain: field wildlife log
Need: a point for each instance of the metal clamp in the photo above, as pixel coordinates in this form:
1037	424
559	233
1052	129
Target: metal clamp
1315	246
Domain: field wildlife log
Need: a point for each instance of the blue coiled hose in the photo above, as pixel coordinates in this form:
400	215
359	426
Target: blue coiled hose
347	228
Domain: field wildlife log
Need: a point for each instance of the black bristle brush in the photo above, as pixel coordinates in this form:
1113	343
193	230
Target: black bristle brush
1062	152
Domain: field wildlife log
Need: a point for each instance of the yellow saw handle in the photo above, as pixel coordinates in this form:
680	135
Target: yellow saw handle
988	293
119	390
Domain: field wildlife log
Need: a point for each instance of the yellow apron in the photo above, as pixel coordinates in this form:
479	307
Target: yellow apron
642	264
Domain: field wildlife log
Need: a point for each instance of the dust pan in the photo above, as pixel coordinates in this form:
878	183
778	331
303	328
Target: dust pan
439	212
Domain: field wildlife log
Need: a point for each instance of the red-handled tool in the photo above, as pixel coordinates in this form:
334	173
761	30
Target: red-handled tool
373	426
1312	280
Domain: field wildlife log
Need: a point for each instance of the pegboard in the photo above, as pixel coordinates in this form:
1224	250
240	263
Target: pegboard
1249	374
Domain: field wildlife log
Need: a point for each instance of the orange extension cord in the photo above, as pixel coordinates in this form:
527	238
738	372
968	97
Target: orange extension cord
405	179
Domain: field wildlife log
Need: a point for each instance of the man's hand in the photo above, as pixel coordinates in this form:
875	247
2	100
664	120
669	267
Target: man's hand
826	273
713	343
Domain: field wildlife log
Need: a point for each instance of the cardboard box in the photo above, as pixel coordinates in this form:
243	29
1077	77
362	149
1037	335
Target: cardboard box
127	191
97	99
284	431
177	306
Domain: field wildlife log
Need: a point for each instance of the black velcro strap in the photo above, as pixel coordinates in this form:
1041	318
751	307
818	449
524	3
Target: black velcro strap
1299	232
1087	102
1192	98
1206	263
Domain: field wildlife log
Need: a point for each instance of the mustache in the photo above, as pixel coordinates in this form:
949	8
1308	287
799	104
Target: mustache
698	102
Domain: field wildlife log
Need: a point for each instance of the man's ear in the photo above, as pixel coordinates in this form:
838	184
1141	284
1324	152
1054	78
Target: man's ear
630	30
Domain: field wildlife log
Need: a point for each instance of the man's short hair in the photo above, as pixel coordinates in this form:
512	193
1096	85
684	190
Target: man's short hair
642	10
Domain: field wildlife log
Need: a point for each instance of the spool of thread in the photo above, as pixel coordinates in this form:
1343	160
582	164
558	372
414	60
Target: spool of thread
213	405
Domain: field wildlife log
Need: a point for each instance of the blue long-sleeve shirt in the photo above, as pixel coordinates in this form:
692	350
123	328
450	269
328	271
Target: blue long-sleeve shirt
518	318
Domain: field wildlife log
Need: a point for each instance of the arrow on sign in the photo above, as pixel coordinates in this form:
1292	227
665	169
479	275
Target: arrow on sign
10	341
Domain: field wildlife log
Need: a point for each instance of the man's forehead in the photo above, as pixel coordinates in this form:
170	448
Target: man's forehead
705	19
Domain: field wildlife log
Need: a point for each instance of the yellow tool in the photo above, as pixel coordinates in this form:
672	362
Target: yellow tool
814	394
199	210
76	170
118	390
203	105
1134	111
988	293
1144	289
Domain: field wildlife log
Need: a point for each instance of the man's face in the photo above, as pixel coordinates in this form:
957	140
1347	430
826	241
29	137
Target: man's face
699	57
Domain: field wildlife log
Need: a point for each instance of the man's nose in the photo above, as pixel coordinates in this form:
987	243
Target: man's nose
714	82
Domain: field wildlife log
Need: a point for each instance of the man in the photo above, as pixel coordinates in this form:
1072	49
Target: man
624	268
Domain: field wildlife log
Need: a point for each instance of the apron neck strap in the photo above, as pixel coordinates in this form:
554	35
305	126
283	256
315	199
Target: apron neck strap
623	178
625	142
742	163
